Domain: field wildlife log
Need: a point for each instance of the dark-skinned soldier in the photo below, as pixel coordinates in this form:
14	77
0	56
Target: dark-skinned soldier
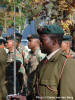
54	78
35	57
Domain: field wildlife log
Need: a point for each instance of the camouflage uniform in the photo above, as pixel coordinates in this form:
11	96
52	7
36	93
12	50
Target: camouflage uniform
24	50
24	53
40	56
9	71
11	57
34	59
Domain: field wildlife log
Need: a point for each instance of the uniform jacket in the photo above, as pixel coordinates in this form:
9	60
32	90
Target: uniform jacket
52	79
3	91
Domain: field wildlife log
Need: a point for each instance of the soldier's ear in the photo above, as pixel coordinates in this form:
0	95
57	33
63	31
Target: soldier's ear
55	41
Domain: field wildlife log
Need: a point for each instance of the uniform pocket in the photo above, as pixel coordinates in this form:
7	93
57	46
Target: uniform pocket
47	89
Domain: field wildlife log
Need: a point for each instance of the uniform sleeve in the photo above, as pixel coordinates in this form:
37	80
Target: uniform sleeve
2	56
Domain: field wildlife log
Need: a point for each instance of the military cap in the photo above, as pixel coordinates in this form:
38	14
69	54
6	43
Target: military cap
33	36
12	38
2	40
67	38
18	35
50	29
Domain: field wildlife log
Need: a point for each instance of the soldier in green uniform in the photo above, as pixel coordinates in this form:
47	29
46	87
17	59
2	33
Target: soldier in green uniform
35	56
34	45
67	44
3	92
54	78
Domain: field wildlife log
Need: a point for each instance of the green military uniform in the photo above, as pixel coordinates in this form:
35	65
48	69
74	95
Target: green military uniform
54	78
34	58
3	92
49	76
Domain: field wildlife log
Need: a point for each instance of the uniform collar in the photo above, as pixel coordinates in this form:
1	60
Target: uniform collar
52	54
36	51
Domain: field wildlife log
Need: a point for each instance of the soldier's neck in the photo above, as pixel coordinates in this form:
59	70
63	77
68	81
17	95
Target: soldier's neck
34	49
67	51
11	49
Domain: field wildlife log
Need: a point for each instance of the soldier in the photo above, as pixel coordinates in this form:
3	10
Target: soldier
23	51
3	92
34	45
10	60
35	56
10	46
54	77
66	45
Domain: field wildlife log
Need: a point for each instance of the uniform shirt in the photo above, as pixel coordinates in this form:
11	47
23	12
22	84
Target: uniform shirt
40	56
35	58
10	57
23	49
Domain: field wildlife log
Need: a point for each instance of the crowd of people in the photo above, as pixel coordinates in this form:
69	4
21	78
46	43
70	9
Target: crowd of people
45	72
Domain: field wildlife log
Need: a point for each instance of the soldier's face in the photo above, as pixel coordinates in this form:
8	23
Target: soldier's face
65	45
31	43
9	44
47	43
